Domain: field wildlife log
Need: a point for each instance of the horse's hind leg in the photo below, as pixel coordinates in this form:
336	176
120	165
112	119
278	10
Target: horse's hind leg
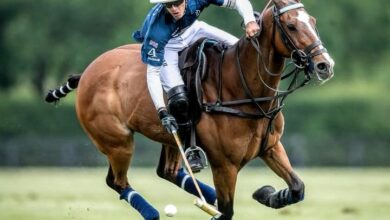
169	163
276	158
119	157
169	168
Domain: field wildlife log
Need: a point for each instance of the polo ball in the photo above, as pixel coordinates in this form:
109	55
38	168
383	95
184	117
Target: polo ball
170	210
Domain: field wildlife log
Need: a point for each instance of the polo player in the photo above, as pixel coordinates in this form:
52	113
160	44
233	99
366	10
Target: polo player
169	27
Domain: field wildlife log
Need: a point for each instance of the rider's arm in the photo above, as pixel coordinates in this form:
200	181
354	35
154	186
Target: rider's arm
156	92
244	7
154	85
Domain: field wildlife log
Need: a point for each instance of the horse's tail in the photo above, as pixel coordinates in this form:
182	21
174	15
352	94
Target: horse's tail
61	91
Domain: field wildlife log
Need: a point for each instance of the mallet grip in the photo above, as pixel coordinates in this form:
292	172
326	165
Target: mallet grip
201	203
209	209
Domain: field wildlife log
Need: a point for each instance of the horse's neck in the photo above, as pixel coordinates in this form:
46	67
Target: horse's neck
252	66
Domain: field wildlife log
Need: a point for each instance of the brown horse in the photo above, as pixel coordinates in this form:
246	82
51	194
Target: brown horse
113	103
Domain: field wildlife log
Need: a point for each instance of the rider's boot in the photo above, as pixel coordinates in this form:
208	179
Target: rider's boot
178	106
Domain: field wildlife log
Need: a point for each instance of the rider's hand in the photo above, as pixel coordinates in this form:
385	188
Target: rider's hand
167	120
252	29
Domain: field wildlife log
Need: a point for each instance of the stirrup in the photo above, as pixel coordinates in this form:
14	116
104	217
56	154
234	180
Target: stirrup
202	154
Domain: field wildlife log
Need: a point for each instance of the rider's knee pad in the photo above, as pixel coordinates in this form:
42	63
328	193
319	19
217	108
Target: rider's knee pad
178	104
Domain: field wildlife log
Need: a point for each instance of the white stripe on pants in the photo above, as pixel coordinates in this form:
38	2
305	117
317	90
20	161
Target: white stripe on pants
170	73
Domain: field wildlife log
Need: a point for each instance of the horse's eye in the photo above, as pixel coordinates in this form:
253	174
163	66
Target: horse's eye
291	27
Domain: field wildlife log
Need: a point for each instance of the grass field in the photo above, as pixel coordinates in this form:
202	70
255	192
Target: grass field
81	194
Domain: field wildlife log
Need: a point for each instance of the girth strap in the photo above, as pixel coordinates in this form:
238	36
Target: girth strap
215	108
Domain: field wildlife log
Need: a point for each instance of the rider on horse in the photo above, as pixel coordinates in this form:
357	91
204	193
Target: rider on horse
170	27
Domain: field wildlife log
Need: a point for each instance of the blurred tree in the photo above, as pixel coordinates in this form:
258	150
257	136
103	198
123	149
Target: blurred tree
53	38
344	122
42	39
7	13
356	32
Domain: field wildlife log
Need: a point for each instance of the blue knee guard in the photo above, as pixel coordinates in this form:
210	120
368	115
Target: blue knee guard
184	181
140	204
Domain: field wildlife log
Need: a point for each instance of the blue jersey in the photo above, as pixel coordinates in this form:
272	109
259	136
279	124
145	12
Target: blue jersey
159	27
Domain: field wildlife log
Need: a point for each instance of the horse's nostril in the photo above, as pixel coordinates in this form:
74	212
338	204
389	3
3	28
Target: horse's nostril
322	67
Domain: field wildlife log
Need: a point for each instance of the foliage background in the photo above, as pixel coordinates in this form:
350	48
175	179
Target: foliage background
342	123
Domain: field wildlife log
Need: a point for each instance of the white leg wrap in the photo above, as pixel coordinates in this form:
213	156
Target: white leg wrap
131	195
183	182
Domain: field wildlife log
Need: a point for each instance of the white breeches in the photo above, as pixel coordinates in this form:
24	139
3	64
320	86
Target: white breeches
170	73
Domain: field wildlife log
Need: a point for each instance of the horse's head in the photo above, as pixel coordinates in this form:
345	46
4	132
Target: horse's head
298	38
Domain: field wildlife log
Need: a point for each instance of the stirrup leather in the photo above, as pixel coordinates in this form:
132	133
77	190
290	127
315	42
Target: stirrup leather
201	152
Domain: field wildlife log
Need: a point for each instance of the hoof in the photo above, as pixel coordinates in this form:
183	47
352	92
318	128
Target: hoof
263	195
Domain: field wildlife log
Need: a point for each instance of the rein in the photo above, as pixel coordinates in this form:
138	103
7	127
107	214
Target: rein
300	58
301	64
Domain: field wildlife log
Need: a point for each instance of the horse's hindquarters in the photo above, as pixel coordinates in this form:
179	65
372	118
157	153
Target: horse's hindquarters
113	101
105	96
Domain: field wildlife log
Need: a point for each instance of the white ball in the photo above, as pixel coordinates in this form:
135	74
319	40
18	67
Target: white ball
170	210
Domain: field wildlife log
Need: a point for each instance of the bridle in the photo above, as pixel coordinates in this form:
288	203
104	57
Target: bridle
301	58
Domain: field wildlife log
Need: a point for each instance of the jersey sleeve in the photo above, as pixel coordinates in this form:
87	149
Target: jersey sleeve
244	8
223	3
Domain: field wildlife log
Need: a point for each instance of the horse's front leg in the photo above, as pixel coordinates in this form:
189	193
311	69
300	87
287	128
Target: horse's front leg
276	158
225	178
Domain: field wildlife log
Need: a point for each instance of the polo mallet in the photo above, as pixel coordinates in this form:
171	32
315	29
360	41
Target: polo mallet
199	202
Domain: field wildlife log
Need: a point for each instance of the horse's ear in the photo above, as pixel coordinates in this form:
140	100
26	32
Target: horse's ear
280	3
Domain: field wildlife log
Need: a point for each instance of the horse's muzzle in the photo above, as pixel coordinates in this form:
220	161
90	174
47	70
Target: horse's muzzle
323	70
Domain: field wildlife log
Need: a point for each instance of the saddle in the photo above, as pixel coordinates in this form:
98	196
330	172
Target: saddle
194	63
202	57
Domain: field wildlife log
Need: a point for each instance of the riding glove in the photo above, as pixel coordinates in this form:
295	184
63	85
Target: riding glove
167	120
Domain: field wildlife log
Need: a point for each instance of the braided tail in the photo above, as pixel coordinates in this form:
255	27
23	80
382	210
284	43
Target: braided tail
60	92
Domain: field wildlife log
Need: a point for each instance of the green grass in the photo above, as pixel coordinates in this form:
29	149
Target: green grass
67	194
